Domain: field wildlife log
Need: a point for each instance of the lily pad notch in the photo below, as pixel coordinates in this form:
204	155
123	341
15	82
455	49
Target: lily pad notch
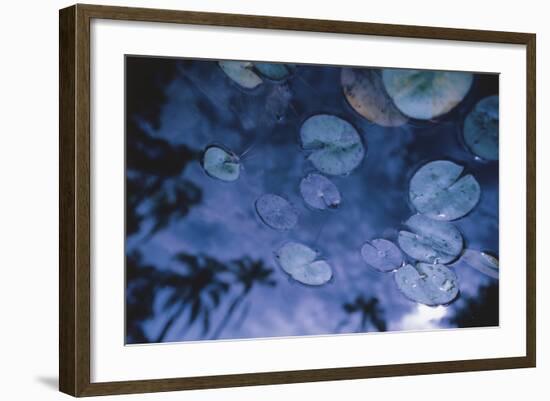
334	145
430	241
303	264
221	163
438	191
319	192
382	255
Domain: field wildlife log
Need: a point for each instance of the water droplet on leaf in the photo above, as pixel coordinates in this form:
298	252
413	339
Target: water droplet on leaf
427	284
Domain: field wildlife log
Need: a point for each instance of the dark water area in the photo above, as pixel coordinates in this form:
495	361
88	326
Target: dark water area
200	262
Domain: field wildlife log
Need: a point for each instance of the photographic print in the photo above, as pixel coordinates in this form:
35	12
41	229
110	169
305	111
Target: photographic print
270	200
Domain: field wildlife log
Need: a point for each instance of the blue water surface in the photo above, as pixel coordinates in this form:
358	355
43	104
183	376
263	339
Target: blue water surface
189	236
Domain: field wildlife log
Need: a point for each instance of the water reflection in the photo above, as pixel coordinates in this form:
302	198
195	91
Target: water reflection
200	262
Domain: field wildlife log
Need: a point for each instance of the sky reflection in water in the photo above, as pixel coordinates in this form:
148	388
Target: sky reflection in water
183	106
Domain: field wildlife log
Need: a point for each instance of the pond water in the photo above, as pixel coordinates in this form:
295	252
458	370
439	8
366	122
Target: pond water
201	262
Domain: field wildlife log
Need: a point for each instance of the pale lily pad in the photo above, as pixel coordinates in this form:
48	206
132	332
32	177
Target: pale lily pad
335	145
276	212
482	262
430	240
319	192
241	72
382	255
303	264
428	284
221	164
481	129
437	191
425	94
273	71
365	92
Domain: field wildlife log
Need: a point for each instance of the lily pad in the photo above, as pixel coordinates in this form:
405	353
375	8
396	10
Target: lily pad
319	192
382	255
302	264
430	240
221	164
273	71
241	72
335	145
276	212
482	262
427	284
425	94
437	191
365	92
481	129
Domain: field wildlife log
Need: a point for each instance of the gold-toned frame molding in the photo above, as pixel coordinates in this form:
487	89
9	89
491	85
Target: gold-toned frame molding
74	202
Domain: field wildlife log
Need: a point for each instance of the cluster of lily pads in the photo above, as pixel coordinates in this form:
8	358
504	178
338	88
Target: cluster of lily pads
439	191
439	194
334	148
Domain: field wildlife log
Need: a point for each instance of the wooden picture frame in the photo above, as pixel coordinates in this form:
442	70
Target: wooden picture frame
74	205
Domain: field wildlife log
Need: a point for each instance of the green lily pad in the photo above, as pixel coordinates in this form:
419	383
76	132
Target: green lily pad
481	261
428	284
430	240
276	212
382	255
221	163
481	129
425	94
436	191
365	92
319	192
273	71
303	264
241	72
335	145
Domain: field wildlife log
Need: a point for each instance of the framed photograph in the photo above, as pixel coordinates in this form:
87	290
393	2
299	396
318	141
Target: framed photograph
250	200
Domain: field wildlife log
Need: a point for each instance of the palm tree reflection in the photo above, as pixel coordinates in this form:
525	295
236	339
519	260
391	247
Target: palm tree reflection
368	310
197	286
246	273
